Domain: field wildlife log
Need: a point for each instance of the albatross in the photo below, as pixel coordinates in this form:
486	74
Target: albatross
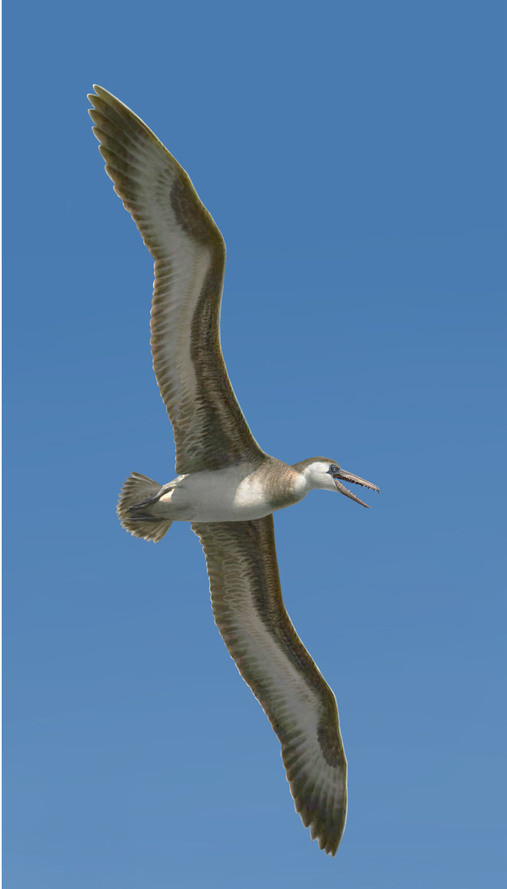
227	487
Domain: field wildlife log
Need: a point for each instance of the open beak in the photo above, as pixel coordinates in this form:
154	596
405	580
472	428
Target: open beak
356	480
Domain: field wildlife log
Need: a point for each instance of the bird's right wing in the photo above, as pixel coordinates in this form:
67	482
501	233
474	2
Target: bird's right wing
250	614
189	252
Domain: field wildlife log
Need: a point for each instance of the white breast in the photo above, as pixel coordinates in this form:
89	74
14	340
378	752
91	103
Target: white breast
234	494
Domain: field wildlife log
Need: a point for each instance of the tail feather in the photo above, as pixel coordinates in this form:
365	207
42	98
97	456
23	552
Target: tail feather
133	509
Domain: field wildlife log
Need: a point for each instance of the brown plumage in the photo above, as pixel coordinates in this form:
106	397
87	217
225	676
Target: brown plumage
212	436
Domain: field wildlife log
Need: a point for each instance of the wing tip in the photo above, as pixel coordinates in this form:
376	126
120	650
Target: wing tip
102	99
326	821
328	835
100	92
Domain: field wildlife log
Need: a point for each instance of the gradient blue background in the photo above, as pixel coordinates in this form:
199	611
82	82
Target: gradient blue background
353	156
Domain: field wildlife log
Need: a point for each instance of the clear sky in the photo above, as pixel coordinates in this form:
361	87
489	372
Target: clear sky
353	155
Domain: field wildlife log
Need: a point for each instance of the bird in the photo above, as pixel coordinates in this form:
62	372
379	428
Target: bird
227	487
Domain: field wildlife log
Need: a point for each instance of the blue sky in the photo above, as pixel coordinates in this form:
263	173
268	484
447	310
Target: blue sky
353	157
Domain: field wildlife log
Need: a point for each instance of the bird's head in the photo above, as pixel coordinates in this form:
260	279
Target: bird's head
320	472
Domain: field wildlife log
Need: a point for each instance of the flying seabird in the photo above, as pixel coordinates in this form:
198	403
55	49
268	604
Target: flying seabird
227	487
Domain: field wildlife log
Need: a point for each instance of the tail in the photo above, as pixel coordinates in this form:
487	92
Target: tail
136	496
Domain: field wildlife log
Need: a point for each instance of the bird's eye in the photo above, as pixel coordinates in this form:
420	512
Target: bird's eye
334	468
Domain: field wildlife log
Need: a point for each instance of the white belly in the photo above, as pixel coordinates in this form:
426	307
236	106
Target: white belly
235	494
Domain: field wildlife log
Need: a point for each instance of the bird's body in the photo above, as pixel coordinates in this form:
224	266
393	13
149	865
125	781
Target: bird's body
236	493
227	487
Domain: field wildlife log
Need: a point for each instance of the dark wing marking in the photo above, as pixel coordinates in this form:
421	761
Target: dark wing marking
189	252
250	614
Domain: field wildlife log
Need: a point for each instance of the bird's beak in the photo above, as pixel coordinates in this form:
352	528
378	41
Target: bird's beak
356	480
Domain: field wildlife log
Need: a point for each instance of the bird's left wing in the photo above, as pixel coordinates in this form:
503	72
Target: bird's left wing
250	614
